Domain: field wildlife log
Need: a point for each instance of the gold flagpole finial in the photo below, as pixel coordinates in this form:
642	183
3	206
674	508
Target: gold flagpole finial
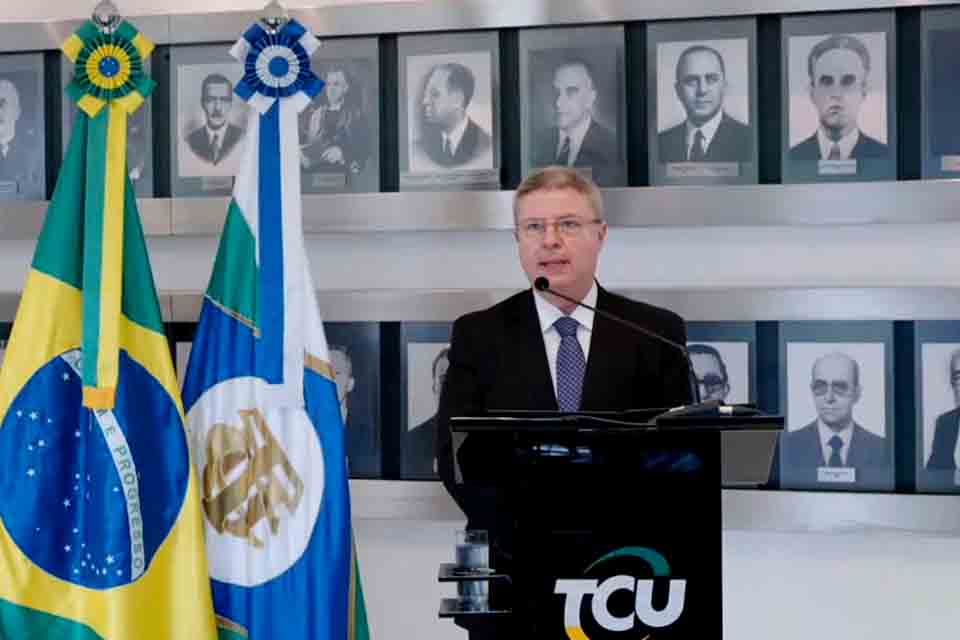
106	16
274	16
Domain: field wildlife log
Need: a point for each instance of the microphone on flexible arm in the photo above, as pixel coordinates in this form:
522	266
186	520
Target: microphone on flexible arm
711	407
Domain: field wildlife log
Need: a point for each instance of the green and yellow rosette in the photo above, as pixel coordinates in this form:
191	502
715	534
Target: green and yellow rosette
108	85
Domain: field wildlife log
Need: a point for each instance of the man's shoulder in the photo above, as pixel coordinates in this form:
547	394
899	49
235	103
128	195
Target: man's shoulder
673	132
867	435
799	435
868	147
627	307
734	126
809	149
598	133
482	136
197	136
951	417
517	303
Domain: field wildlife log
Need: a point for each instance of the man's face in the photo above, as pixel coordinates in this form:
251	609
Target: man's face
343	375
838	88
441	107
713	386
955	378
575	95
834	390
439	376
9	107
336	86
568	261
217	102
700	85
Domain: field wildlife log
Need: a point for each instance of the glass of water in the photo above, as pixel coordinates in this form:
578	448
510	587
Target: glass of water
472	555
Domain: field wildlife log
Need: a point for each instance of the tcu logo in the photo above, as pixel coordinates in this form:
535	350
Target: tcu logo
576	590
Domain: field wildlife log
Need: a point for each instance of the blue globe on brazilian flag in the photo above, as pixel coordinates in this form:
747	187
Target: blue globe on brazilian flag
100	519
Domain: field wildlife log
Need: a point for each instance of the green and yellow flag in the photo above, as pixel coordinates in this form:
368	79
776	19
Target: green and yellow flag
100	529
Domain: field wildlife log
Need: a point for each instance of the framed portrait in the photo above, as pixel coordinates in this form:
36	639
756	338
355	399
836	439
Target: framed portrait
423	361
22	128
355	357
937	377
340	129
941	93
449	125
839	97
702	101
208	122
836	391
572	104
139	133
724	357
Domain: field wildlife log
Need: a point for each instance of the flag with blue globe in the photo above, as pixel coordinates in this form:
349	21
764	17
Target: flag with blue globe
259	391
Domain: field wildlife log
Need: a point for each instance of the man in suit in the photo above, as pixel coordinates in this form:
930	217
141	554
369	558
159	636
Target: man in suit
419	452
708	134
538	351
218	136
20	170
839	69
834	439
577	140
450	138
944	449
711	372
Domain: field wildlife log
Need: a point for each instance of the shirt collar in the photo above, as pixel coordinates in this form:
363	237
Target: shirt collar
825	432
549	314
846	143
456	135
709	129
212	133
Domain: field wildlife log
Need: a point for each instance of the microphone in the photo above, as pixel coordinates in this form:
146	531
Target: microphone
542	284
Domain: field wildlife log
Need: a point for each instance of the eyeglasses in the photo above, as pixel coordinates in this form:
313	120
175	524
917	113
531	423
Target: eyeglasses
535	229
711	382
839	388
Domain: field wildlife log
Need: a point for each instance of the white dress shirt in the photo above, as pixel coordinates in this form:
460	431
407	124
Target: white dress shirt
576	135
551	338
846	143
846	434
709	129
454	137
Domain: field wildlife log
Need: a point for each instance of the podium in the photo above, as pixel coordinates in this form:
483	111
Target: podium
605	523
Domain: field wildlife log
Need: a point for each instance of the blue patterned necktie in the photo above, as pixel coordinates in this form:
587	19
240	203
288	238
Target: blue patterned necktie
836	444
571	365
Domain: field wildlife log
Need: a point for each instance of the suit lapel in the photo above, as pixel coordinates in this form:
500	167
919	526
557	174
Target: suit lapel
528	354
606	338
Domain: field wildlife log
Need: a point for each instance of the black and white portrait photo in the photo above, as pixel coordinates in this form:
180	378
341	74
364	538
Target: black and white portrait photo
208	120
722	370
354	349
703	115
139	134
838	105
339	130
427	365
941	93
572	89
837	434
701	98
940	405
22	118
453	123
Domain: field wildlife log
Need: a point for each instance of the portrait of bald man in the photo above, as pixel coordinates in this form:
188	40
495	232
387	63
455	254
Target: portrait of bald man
708	133
574	137
834	439
944	452
840	69
21	165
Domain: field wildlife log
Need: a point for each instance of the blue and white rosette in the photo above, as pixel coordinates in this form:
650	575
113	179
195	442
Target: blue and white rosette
278	84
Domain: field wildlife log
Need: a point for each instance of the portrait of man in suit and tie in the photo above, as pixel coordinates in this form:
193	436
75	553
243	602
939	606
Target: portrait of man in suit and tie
840	76
21	162
708	133
575	137
217	138
419	448
710	371
450	112
835	447
944	452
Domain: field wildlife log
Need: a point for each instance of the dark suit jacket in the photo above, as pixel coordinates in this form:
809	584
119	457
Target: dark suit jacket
21	174
733	142
200	143
474	142
419	448
945	442
866	147
599	147
802	455
498	361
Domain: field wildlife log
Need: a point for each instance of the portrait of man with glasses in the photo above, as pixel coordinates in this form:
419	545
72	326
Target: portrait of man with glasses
944	451
834	448
711	372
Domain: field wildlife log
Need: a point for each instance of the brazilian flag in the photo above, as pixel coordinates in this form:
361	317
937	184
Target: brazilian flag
100	530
